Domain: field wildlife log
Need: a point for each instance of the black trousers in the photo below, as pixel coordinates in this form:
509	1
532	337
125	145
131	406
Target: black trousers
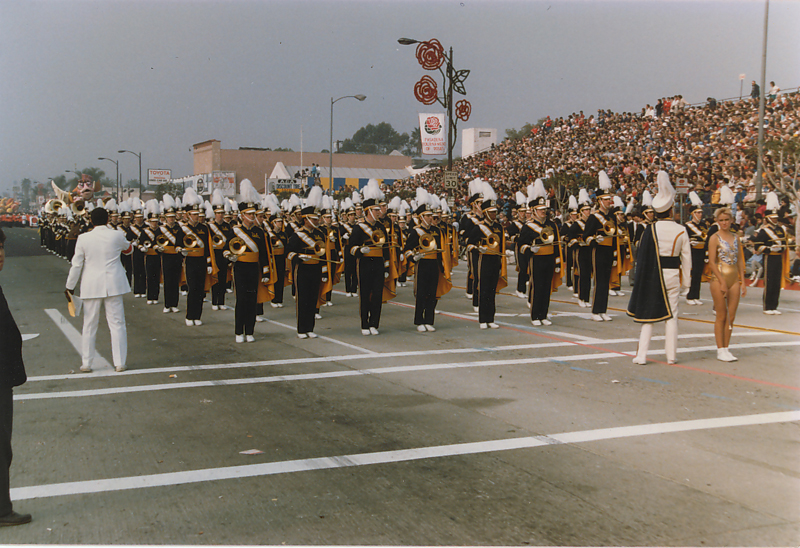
370	284
350	274
584	277
698	263
139	273
152	264
472	272
171	267
542	267
218	289
569	259
245	282
603	260
196	280
307	278
773	270
523	276
280	278
127	264
6	420
425	283
488	267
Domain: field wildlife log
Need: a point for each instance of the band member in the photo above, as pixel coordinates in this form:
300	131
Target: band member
772	242
514	229
622	254
199	261
370	248
125	226
348	213
664	264
170	246
221	234
572	217
539	245
252	267
466	225
696	228
333	266
148	247
582	253
424	247
279	241
600	234
139	269
488	239
304	250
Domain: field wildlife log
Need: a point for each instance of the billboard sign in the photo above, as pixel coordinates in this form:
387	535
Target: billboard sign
223	180
433	134
157	177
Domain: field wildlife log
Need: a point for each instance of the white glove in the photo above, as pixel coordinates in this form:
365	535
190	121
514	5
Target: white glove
143	249
776	248
160	248
332	237
208	270
535	249
233	258
482	249
305	258
364	250
418	256
600	239
184	252
264	280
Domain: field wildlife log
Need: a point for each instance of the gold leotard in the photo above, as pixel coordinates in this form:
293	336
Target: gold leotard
728	261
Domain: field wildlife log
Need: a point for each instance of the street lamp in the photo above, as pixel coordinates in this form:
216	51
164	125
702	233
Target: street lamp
116	163
431	56
330	150
138	155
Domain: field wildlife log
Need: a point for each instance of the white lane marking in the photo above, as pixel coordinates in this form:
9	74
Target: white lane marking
75	338
371	371
335	341
390	457
29	336
384	355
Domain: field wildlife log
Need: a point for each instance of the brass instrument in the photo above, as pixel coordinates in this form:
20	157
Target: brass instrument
378	239
492	244
217	240
162	240
609	228
147	245
276	242
547	235
427	244
237	246
191	241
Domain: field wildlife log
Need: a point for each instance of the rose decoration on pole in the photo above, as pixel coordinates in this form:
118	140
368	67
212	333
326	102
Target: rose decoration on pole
431	56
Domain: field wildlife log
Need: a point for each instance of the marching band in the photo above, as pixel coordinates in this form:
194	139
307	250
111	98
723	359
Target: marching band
257	246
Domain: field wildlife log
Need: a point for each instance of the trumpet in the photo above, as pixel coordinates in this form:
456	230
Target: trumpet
190	241
217	240
547	235
162	240
237	246
492	244
609	228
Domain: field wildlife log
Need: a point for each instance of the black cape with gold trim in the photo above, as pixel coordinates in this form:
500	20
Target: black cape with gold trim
649	301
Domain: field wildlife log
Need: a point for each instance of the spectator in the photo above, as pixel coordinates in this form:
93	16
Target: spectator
755	91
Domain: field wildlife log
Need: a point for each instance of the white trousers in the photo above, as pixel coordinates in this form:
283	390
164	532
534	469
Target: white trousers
115	316
672	281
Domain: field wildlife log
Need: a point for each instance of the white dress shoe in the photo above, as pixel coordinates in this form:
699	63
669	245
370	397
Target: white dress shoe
302	335
475	308
120	369
223	307
597	318
280	305
312	335
724	356
730	356
198	322
582	304
606	317
274	305
639	361
373	331
86	369
366	332
214	307
484	326
575	295
468	295
612	293
547	322
175	309
620	294
329	303
430	328
421	328
189	322
698	302
250	338
260	319
239	338
166	310
317	317
777	312
537	323
494	325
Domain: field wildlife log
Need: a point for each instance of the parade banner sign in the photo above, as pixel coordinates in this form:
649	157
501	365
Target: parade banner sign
433	133
158	176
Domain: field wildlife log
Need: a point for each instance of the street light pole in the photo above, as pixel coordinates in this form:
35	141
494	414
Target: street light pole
330	150
138	155
116	163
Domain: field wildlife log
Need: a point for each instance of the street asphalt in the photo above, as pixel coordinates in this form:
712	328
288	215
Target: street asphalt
516	436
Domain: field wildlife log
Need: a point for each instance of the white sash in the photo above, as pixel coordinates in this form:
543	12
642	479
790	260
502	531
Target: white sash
189	232
248	241
166	232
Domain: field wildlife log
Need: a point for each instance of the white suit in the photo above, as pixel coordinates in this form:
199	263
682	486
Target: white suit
97	263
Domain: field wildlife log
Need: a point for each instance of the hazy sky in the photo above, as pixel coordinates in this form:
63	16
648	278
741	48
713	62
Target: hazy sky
83	79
